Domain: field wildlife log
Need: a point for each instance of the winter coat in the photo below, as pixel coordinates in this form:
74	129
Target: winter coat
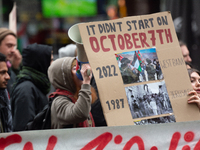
63	111
26	102
28	95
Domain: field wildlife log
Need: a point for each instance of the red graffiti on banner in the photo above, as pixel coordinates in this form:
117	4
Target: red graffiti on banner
174	141
136	139
12	139
28	146
15	138
100	142
51	143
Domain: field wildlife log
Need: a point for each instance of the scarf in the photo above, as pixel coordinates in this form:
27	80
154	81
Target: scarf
87	123
40	80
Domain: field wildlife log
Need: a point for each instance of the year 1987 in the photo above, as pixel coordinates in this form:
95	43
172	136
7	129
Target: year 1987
115	104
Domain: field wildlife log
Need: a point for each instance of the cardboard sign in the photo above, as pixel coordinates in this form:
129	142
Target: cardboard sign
119	49
171	136
13	19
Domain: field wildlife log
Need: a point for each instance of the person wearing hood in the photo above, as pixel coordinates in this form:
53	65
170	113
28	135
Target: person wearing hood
73	97
28	96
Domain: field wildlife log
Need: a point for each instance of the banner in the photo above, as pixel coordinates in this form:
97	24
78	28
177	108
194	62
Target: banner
168	136
139	70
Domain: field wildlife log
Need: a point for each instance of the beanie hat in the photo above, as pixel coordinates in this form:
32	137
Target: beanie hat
4	32
67	51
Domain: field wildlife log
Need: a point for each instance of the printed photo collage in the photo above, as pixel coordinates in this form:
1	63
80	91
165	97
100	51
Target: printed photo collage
148	100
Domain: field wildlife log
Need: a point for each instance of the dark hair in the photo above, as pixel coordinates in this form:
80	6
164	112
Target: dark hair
2	57
191	70
181	43
189	64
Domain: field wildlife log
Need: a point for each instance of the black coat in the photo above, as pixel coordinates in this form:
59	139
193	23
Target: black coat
3	117
26	102
96	108
28	96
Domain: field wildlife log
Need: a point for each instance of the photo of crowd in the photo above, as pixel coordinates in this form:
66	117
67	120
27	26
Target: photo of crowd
165	119
139	66
148	100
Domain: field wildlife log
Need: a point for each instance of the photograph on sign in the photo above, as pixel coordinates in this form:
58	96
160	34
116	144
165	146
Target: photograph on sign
139	66
148	100
165	119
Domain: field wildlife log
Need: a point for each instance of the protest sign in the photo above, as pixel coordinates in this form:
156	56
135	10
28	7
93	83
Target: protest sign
168	136
117	48
13	19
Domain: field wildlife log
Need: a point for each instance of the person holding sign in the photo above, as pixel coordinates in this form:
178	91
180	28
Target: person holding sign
195	81
73	97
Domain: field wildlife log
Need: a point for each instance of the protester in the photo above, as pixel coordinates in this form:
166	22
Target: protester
185	52
8	42
112	12
5	109
73	97
28	95
96	109
195	81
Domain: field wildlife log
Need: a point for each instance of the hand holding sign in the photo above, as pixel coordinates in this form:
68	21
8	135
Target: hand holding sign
194	98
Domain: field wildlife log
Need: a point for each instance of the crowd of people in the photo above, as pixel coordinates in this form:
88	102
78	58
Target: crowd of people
26	79
151	105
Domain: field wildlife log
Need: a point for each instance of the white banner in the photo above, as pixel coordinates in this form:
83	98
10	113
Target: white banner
168	136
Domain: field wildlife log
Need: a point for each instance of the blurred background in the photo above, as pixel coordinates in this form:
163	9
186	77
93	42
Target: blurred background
48	21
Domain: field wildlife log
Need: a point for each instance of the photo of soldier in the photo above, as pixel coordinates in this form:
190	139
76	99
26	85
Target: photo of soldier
153	105
159	103
151	70
128	75
147	106
142	73
136	107
148	100
159	74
